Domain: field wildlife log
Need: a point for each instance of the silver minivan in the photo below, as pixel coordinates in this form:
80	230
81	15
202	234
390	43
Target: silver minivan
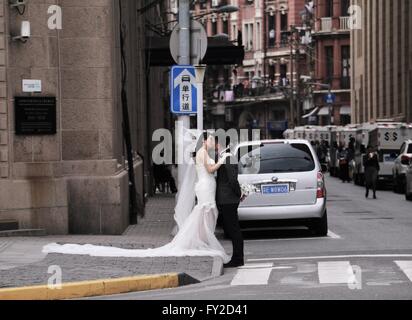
290	184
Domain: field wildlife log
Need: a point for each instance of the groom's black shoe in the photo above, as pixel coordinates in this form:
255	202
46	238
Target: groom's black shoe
234	264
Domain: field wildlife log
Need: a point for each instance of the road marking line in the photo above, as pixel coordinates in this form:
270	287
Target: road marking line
336	272
406	267
335	257
250	275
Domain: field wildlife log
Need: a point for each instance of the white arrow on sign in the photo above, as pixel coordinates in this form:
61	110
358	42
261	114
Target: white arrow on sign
179	80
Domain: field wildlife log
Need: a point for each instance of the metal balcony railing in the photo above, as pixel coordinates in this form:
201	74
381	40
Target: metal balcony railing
326	24
344	23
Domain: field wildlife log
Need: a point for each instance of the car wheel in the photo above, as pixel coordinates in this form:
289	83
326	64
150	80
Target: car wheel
319	227
397	185
408	195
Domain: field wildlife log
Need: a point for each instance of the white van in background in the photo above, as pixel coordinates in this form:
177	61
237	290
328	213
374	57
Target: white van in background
387	139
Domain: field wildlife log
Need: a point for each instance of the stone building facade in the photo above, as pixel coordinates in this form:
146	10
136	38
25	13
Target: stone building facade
381	64
76	181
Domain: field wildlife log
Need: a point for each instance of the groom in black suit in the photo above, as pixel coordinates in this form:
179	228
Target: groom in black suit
228	197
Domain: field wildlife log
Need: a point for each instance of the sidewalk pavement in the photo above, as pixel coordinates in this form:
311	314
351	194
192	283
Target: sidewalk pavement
23	264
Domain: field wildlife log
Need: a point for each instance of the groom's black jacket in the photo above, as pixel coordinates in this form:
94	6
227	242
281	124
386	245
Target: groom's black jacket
228	189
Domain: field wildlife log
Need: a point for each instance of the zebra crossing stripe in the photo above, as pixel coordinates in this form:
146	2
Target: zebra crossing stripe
406	267
253	274
336	272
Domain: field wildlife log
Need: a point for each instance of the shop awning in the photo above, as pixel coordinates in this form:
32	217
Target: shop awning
219	52
324	111
310	114
345	110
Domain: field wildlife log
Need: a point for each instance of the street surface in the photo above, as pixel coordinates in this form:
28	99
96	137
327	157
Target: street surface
367	255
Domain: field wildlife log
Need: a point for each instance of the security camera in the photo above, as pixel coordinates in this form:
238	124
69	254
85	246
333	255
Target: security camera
17	3
25	32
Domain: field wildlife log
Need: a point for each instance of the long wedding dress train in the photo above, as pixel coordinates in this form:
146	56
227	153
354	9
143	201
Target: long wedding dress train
196	231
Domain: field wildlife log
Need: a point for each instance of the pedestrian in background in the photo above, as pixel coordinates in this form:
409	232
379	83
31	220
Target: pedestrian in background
343	164
371	164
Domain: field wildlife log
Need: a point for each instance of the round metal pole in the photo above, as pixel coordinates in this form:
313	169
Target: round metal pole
184	59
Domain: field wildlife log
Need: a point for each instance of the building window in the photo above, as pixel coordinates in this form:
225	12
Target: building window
345	53
248	36
272	72
329	8
271	31
234	32
329	64
225	27
203	4
284	28
258	36
284	22
214	26
345	8
283	79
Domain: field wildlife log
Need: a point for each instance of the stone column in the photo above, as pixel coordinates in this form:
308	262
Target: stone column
72	181
4	152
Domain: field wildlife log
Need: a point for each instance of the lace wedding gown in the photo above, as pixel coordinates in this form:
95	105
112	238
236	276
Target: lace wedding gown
195	237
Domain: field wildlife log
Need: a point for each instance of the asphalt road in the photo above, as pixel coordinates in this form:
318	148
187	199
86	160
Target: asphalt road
367	255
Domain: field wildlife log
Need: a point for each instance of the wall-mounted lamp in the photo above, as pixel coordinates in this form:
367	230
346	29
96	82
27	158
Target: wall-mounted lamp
25	32
20	5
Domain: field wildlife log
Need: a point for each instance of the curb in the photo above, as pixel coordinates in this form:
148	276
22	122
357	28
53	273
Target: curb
103	287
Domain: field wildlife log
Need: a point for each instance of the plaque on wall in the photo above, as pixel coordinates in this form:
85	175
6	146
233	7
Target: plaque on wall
35	115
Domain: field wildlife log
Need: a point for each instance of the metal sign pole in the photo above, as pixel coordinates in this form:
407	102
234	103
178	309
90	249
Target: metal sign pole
184	59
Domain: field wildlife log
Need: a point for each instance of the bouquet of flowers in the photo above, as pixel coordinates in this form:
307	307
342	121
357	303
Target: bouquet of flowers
247	189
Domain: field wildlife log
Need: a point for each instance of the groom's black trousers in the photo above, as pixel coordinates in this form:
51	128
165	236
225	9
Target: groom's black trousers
231	227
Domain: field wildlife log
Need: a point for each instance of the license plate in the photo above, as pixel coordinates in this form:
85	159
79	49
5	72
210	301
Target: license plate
275	189
388	158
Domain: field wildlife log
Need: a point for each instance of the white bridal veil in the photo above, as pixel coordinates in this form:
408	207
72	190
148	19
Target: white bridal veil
186	197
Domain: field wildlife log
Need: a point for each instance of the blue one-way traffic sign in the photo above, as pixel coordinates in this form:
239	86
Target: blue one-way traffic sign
183	97
330	98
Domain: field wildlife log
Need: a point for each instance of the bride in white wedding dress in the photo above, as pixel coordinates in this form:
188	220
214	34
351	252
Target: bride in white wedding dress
196	227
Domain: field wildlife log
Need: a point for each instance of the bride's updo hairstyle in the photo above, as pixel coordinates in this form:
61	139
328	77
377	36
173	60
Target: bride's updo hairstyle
203	137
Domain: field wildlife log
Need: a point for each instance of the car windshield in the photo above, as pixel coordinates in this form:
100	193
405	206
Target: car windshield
410	148
275	158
